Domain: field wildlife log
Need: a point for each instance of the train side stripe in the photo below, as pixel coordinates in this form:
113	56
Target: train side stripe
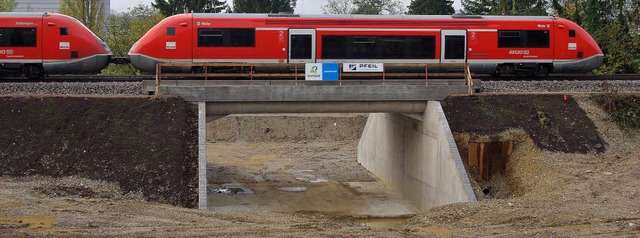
483	30
378	29
369	29
271	29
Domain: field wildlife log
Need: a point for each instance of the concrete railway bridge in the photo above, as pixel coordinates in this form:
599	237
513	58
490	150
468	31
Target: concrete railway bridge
406	142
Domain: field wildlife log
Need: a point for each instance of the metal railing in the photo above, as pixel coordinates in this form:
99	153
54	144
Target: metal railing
297	72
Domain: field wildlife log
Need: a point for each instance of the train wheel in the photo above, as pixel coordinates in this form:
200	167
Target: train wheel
540	70
34	72
496	74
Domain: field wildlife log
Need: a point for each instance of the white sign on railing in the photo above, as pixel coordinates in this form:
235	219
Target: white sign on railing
363	67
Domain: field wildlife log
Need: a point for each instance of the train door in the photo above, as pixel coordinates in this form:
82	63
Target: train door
302	45
454	46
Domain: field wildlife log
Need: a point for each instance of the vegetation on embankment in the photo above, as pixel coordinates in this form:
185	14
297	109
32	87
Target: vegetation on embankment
623	108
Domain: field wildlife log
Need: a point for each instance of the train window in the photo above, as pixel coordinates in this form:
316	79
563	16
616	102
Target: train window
454	47
378	47
64	31
226	37
572	33
18	37
171	31
301	47
523	39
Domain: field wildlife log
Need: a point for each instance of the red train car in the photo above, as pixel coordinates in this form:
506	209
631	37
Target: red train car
491	44
34	44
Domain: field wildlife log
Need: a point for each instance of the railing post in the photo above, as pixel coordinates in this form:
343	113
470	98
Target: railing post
158	78
251	74
383	75
206	72
426	75
295	66
468	78
340	73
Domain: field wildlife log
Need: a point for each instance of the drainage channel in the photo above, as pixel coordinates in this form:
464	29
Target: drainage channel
314	177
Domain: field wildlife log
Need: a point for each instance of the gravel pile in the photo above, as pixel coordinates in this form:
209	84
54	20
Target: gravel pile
559	86
72	88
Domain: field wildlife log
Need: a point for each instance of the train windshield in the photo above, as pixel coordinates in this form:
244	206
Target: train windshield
104	45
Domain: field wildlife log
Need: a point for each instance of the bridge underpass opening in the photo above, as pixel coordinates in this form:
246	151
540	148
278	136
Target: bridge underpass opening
295	163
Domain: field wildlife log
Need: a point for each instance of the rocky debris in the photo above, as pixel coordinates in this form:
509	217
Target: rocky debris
82	187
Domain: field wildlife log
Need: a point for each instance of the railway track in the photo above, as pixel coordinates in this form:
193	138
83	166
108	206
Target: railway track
132	85
562	77
483	77
80	78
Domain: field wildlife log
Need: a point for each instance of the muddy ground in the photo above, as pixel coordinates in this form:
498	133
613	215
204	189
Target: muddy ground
590	193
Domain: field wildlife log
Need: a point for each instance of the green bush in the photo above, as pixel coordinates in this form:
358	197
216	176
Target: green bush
624	109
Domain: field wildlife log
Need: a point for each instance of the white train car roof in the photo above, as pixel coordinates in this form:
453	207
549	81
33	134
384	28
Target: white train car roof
356	16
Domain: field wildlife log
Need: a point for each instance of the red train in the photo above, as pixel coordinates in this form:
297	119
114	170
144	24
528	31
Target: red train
491	44
34	44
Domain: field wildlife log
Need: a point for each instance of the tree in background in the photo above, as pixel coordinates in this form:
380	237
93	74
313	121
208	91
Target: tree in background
172	7
90	12
369	7
262	6
478	7
506	7
7	5
431	7
123	30
338	7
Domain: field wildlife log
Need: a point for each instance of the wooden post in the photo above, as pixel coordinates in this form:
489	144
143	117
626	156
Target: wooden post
484	163
487	158
472	160
158	77
251	74
426	75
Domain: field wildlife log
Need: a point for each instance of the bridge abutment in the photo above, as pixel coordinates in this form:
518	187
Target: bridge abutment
417	156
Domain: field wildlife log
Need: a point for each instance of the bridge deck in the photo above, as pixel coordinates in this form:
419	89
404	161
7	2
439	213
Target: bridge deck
273	96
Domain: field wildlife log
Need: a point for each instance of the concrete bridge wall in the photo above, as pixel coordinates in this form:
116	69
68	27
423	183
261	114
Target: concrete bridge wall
417	156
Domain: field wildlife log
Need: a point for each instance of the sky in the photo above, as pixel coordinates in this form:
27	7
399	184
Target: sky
304	6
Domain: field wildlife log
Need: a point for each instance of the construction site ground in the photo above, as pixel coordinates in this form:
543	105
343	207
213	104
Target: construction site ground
550	189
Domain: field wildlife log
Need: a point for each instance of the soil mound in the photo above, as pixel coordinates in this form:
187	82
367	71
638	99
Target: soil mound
145	145
554	122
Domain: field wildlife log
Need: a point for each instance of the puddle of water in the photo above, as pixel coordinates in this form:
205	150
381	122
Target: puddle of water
336	199
231	189
278	183
380	222
294	189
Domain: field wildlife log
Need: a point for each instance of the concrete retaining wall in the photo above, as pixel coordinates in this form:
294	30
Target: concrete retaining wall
416	156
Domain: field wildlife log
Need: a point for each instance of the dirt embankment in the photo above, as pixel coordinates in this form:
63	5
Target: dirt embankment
287	128
144	145
554	185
